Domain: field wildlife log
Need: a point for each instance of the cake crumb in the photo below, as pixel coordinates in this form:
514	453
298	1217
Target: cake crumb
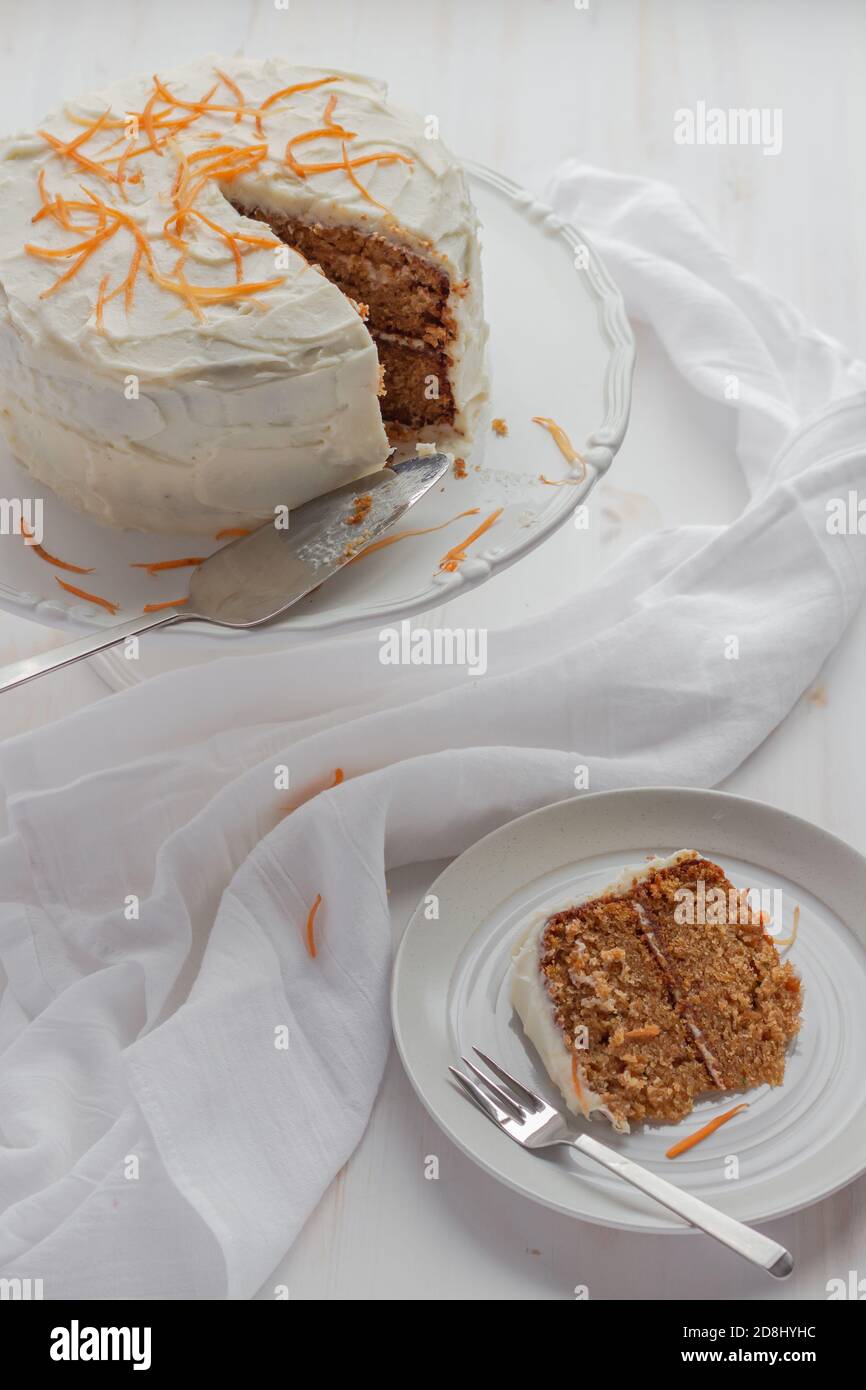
499	427
362	504
459	468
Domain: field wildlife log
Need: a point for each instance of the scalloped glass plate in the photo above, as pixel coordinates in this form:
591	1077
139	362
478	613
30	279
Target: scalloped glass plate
560	346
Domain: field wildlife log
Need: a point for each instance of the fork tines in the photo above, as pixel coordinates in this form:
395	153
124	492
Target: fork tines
508	1101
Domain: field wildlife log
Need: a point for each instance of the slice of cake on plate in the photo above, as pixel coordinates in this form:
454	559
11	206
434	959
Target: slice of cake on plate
230	287
638	1004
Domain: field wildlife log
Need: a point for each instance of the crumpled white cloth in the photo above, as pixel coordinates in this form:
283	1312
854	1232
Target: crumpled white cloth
155	1137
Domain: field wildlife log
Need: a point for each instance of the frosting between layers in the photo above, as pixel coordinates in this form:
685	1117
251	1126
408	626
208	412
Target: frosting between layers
164	422
535	1008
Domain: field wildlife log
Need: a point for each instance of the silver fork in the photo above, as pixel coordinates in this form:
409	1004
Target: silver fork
532	1123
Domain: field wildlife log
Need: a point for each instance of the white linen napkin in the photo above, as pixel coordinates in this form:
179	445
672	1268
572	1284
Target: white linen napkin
156	1136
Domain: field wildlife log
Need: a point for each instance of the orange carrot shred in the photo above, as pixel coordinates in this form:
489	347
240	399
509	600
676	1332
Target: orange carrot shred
311	918
704	1133
457	554
51	559
298	87
156	566
789	940
338	777
235	91
100	303
575	1077
168	603
347	164
231	531
91	598
563	443
326	131
404	535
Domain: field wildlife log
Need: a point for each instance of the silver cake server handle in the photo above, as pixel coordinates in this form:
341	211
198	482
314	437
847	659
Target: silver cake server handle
19	672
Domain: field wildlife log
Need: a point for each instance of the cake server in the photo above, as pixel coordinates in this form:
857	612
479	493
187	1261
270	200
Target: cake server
256	578
532	1123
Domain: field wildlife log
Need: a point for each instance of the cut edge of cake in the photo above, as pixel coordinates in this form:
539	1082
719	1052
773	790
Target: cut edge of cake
680	1021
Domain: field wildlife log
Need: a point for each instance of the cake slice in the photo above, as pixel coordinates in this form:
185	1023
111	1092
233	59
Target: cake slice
640	1001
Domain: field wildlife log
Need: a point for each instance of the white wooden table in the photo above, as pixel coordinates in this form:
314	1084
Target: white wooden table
520	86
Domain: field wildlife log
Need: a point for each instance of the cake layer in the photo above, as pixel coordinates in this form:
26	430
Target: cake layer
726	975
402	292
417	385
637	1008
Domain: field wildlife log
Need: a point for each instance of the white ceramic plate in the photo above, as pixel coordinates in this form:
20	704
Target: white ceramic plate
560	346
795	1144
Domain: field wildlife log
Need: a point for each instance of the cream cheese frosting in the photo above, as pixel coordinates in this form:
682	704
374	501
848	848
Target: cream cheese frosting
533	1004
192	402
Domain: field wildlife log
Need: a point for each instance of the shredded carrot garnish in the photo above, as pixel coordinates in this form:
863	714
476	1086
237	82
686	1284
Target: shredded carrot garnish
652	1030
704	1133
89	131
311	918
457	554
91	598
169	603
563	443
499	427
558	482
156	566
298	87
233	531
396	536
147	121
73	153
165	114
235	91
315	790
789	940
326	131
45	555
575	1077
347	165
100	303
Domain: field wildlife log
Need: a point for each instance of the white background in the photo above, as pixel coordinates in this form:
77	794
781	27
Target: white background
521	85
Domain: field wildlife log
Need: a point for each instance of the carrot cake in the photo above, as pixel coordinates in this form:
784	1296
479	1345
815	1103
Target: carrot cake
638	1004
229	287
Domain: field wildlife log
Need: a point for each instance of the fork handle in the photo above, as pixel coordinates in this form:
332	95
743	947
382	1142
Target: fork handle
20	671
760	1250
